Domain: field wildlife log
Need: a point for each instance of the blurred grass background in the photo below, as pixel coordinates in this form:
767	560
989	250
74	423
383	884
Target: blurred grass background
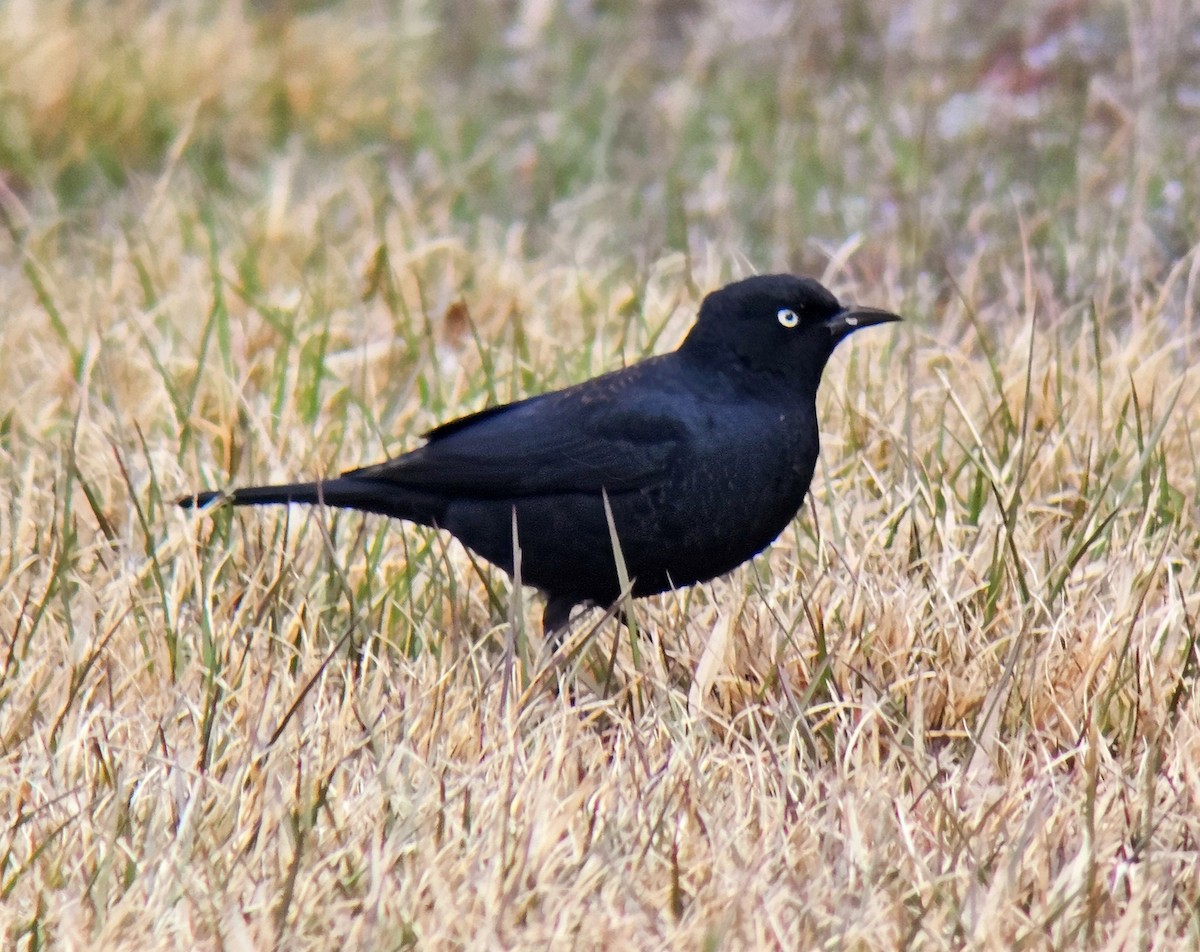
952	707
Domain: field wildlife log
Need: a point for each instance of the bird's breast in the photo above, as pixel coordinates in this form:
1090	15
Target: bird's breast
749	473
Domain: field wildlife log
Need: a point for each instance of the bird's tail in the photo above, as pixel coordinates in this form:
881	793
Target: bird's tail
344	492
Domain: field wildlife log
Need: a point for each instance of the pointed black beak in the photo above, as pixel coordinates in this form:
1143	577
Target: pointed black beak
855	317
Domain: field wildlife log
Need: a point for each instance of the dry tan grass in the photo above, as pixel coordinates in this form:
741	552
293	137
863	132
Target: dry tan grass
953	706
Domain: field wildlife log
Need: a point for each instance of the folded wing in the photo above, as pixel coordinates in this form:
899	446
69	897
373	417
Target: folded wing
612	433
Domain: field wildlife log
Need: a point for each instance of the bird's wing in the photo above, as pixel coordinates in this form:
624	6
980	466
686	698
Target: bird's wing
618	432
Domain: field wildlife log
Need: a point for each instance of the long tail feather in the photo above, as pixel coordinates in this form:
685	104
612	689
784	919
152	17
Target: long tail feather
367	495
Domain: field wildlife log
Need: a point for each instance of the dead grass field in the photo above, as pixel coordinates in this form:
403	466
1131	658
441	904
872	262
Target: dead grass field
954	706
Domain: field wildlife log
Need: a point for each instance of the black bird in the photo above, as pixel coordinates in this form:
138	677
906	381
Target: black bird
704	454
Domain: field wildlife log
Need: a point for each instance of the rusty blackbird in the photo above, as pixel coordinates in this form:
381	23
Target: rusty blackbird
704	454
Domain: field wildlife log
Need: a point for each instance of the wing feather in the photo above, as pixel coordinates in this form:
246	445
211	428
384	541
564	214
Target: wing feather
612	433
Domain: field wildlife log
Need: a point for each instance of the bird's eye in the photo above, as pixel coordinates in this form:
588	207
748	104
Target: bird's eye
788	317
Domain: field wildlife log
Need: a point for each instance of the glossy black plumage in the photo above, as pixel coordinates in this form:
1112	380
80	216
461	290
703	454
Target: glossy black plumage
705	455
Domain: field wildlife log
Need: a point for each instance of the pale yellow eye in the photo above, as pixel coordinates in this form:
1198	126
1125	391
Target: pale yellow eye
788	317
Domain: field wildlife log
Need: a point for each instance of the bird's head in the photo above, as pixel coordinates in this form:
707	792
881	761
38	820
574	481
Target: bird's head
778	324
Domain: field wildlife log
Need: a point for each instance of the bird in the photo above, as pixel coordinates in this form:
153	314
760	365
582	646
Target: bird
697	458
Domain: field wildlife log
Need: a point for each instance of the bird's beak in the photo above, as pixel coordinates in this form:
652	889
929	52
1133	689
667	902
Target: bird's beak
854	317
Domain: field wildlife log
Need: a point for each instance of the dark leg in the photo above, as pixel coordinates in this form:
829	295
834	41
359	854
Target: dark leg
555	619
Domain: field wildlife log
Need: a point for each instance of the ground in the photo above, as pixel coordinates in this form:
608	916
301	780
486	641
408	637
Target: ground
954	706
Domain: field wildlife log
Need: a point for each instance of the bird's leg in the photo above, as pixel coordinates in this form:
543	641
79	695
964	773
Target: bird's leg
556	619
556	623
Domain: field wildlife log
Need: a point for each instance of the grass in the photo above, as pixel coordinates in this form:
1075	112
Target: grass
953	706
